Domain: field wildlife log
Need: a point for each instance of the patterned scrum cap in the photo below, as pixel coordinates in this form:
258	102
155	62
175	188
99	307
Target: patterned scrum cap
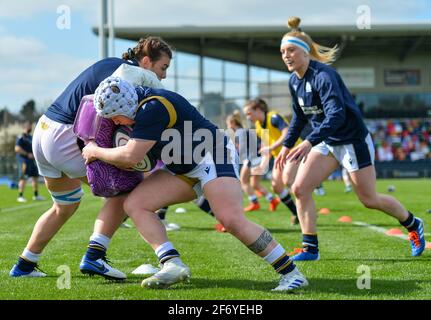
115	96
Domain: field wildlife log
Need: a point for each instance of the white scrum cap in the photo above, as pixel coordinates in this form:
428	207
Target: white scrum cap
115	96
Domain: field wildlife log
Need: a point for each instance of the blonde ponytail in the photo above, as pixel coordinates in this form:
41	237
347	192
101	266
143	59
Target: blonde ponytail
324	54
318	52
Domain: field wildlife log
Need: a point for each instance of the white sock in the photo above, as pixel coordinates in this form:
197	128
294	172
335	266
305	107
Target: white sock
269	196
252	198
199	201
163	248
275	253
283	193
30	256
100	238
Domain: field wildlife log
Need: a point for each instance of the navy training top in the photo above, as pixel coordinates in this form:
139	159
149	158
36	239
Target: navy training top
25	142
322	98
277	121
65	107
152	121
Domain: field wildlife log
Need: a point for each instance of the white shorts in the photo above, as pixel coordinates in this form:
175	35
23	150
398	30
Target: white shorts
208	170
56	150
252	163
351	156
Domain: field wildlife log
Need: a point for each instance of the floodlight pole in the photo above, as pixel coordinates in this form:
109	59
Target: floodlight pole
111	28
247	74
201	75
103	43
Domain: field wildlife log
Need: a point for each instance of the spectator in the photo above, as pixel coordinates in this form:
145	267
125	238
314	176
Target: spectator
401	139
26	164
399	154
384	152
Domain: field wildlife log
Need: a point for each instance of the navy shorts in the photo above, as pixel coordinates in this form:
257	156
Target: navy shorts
27	168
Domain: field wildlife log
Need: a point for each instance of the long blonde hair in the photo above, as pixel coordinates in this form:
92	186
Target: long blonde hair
236	118
318	52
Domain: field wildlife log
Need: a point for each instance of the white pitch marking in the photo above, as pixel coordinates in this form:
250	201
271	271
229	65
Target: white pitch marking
23	207
383	230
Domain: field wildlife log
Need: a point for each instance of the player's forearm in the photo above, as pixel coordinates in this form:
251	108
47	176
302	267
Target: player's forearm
280	140
119	157
294	132
21	151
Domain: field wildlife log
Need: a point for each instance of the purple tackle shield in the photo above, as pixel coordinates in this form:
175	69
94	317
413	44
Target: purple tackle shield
105	180
87	122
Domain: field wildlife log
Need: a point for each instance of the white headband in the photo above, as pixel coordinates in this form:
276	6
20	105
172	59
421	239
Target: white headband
297	42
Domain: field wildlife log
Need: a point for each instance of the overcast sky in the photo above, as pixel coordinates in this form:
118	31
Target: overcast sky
38	59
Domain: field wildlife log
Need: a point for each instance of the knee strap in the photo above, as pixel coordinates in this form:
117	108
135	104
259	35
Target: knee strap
67	197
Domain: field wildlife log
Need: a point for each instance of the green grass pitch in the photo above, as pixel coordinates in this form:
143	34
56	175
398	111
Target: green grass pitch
222	268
